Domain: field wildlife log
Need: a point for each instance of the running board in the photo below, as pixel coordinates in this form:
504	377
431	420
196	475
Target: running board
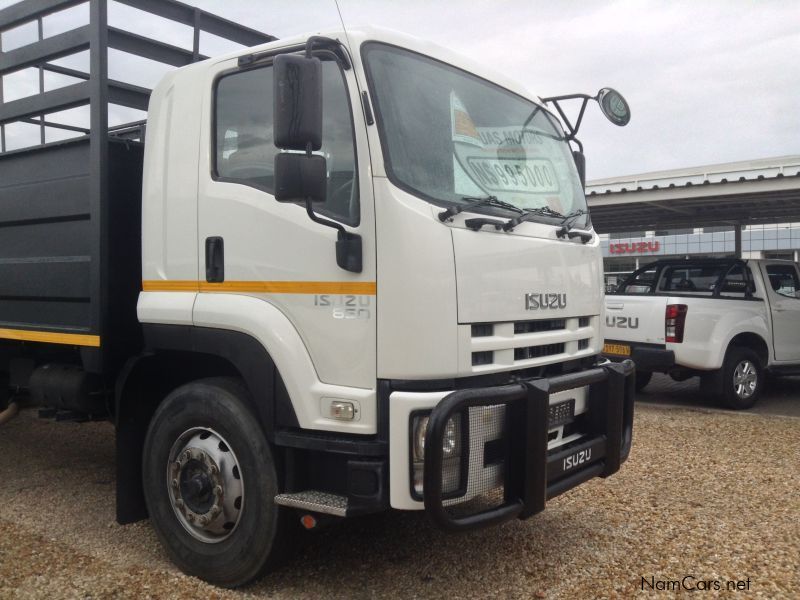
315	501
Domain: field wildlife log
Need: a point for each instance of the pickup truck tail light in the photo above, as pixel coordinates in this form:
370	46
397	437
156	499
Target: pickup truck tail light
674	321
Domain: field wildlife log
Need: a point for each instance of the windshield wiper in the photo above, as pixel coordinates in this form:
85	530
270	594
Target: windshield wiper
474	203
567	230
542	211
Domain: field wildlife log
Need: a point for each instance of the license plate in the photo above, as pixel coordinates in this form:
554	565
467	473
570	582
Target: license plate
618	349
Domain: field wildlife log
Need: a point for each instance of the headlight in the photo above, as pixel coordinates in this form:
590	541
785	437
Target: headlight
451	442
451	452
420	427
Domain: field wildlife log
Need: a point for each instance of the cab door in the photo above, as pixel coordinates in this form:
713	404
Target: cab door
783	287
253	245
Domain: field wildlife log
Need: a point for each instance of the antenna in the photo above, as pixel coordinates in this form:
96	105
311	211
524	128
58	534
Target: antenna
341	18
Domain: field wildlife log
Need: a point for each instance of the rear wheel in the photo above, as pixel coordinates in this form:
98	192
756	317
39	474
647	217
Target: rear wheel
642	379
210	482
742	378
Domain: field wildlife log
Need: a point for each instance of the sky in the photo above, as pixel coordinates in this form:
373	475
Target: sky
707	81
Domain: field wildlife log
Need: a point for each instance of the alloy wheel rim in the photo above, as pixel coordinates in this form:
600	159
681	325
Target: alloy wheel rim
745	379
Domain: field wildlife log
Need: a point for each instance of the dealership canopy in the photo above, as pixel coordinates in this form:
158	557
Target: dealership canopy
738	193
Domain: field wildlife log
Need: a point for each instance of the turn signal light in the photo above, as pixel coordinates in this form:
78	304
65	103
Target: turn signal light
674	322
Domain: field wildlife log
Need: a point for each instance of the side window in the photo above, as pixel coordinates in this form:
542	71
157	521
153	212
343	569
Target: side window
783	280
641	284
245	148
736	281
245	152
691	278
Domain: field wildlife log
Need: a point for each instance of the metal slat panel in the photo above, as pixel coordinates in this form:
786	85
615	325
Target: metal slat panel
60	99
65	71
128	95
183	13
45	276
233	31
72	315
126	41
56	199
50	48
21	12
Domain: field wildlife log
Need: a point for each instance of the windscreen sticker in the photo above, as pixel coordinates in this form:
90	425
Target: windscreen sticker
507	160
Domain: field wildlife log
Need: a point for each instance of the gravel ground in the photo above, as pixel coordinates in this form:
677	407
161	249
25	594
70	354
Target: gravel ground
708	494
781	395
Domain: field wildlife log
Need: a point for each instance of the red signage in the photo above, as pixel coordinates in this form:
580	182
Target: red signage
634	248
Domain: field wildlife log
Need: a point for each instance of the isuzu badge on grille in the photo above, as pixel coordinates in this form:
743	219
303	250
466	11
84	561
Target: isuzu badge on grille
537	301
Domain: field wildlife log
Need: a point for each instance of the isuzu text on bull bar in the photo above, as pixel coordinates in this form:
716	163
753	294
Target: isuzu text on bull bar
329	276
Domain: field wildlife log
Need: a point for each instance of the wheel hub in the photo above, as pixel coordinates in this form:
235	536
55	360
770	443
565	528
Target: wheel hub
205	486
745	378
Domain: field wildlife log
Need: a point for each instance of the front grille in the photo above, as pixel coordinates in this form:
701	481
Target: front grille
522	344
482	330
540	325
538	351
482	358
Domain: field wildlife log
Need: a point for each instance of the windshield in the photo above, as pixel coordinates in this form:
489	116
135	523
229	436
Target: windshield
449	136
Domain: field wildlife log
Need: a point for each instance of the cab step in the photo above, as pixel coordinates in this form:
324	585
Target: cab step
315	501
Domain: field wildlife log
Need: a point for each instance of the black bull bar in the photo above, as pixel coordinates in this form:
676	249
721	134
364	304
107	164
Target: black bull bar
532	475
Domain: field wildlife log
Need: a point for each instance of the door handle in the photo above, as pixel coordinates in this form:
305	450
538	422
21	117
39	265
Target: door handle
215	260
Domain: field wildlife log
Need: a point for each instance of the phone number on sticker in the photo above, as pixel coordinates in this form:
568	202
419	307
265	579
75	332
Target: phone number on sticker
513	175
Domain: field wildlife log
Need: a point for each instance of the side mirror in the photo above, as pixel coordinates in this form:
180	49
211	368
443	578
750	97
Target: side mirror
298	126
300	177
614	106
298	102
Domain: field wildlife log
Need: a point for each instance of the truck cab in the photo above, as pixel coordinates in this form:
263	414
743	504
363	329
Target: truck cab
369	281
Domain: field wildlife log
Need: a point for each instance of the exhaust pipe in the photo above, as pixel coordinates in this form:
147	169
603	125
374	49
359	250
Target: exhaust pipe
9	413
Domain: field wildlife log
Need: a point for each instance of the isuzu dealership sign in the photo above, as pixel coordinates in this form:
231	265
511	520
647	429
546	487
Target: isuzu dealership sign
634	247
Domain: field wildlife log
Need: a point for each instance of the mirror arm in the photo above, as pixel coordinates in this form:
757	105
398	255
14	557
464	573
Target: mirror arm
572	129
348	245
317	219
580	118
331	44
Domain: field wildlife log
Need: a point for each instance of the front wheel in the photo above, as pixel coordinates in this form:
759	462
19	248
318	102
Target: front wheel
742	378
210	482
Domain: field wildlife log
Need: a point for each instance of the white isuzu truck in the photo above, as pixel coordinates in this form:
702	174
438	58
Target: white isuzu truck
727	320
339	274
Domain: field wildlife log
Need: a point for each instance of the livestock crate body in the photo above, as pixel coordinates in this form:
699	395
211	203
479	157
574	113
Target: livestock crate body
70	211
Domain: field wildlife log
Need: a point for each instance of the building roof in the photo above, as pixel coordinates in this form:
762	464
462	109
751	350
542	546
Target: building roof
757	191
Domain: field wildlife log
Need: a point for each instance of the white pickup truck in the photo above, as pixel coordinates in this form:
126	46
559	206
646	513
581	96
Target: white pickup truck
729	321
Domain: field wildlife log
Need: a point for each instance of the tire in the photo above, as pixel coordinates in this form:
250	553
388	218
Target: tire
742	378
204	449
642	379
